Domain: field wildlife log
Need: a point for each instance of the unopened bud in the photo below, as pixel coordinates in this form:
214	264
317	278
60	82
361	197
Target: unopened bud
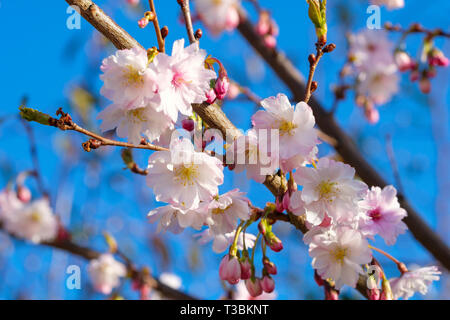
198	34
164	32
188	124
314	86
329	48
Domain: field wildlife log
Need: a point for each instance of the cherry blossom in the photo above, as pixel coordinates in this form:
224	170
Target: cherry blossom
297	136
182	79
252	153
330	188
369	48
218	16
339	255
105	273
128	82
135	124
241	293
230	269
384	215
34	221
415	280
379	83
225	210
175	220
184	177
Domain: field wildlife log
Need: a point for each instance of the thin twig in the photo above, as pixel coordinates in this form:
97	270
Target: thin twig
159	37
184	5
65	123
313	62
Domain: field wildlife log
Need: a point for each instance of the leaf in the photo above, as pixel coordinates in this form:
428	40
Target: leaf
34	115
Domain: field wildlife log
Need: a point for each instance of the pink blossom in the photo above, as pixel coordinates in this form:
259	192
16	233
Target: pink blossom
267	284
384	215
404	61
218	16
230	269
221	88
246	269
415	280
254	287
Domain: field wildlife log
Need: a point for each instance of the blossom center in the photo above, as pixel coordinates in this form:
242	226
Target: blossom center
375	214
287	127
177	80
137	115
35	216
327	189
219	210
133	76
339	254
186	174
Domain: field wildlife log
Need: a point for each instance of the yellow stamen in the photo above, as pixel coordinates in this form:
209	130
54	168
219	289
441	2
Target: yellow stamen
35	216
186	174
339	254
132	76
327	190
287	127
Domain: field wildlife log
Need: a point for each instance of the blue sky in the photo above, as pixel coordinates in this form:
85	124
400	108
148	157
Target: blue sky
43	59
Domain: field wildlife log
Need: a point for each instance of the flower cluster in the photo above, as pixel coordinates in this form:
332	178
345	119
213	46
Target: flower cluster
149	92
371	54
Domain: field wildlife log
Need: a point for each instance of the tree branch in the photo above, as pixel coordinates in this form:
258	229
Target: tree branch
90	254
345	146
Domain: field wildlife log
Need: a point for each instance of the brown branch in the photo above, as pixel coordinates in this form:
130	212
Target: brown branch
91	254
159	37
417	28
184	5
313	62
345	146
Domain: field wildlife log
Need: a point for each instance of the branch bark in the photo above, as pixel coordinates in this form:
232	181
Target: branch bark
345	146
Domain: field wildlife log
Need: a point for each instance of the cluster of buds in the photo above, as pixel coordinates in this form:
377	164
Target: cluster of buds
269	237
267	28
148	16
431	58
220	86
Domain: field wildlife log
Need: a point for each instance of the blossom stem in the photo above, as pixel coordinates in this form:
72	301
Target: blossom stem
312	68
401	266
233	248
159	36
254	247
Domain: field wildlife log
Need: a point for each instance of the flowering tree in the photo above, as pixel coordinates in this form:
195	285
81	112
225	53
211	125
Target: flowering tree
169	99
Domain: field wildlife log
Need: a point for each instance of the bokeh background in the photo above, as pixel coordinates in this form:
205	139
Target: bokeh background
91	192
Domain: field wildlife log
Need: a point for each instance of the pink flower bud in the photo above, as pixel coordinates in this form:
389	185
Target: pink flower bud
233	91
270	41
221	88
404	61
372	115
331	293
275	244
232	20
246	269
437	58
143	22
253	288
267	284
415	75
279	204
188	124
270	267
24	194
230	269
374	294
425	85
62	234
210	96
262	27
286	201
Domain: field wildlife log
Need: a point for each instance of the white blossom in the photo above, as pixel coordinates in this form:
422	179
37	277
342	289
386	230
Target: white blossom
415	280
184	177
105	273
